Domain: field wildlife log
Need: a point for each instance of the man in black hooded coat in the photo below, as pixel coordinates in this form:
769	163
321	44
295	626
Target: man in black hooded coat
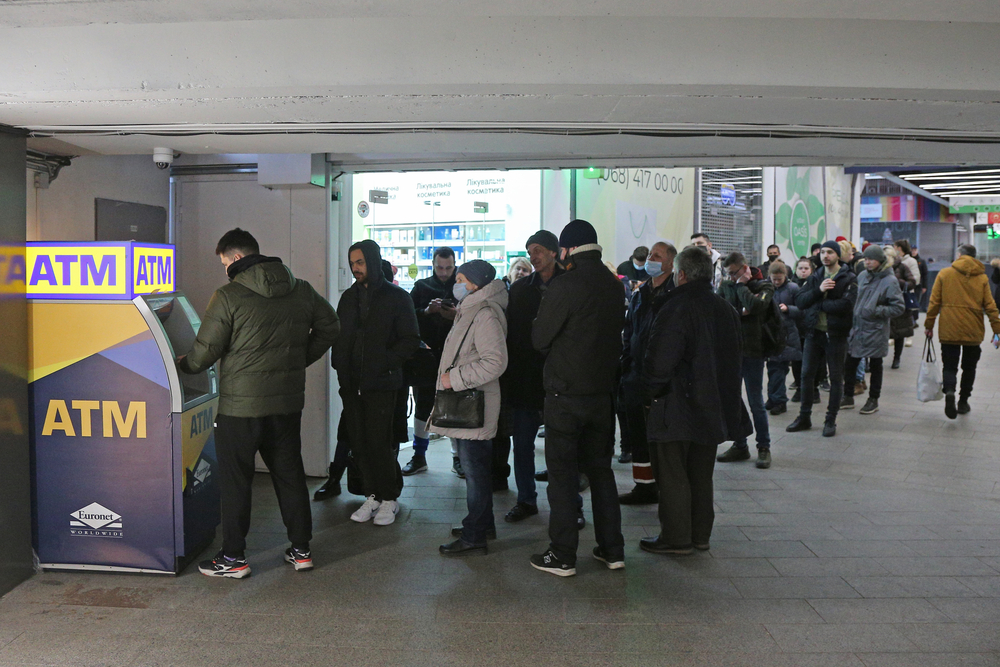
378	334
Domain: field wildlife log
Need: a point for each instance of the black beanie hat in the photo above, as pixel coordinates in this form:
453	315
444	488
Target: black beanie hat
815	247
478	272
832	245
544	238
577	233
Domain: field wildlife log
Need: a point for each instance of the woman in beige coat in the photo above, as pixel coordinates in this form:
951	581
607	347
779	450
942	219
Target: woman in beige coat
474	356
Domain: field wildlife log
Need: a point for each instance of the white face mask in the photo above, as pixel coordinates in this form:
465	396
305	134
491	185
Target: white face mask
654	269
638	266
460	291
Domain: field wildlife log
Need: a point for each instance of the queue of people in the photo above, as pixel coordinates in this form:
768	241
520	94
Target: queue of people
553	344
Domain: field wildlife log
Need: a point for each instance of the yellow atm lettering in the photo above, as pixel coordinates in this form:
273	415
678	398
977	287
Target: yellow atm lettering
58	418
154	270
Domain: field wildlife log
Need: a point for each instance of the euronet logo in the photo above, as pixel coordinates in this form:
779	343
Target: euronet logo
96	520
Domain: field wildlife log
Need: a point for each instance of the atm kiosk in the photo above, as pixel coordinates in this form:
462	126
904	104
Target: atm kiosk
123	450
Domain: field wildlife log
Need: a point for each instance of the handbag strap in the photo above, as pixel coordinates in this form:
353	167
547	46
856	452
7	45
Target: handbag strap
458	351
929	352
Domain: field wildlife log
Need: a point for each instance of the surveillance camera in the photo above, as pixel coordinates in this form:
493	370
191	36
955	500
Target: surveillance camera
163	157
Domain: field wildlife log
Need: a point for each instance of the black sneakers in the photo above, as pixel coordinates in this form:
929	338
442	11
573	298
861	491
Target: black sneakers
950	410
520	511
847	403
963	406
829	429
301	559
734	453
549	562
801	423
871	406
223	566
415	465
613	562
763	459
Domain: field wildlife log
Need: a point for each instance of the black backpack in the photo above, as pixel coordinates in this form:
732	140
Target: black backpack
773	335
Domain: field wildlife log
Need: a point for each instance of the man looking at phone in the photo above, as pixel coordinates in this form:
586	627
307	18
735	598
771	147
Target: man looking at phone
960	296
435	308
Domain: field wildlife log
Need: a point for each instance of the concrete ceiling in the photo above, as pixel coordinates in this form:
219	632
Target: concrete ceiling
514	83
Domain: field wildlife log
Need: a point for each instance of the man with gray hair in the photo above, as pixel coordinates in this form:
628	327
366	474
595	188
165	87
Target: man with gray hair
692	373
960	296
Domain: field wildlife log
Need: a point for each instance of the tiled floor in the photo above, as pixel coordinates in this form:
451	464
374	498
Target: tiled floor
879	547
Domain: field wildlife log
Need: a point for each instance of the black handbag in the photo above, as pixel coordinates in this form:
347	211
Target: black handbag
459	409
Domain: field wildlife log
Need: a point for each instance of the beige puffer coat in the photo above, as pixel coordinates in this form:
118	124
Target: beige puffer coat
482	359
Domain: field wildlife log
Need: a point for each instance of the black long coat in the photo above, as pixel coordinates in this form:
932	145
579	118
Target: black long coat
693	369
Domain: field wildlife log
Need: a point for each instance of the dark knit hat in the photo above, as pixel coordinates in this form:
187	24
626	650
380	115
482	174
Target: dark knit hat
815	247
832	245
478	272
577	233
544	238
874	252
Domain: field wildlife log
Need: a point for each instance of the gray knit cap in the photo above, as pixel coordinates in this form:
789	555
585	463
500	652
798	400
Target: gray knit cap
875	252
478	272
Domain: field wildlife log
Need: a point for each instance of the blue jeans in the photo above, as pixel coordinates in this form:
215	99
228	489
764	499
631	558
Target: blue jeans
524	427
753	380
777	372
477	461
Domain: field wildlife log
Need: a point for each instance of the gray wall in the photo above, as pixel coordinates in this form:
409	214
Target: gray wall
15	484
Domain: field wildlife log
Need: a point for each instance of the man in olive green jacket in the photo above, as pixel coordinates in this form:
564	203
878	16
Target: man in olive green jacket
266	327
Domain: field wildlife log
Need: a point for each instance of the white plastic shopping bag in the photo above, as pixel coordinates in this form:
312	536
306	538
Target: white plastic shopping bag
929	379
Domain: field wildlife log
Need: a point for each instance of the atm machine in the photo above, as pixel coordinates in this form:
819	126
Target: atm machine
122	443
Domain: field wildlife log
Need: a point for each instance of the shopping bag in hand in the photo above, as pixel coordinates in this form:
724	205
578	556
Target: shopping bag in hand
929	378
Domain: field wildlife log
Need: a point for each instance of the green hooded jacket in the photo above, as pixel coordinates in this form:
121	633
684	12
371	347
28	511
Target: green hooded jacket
266	327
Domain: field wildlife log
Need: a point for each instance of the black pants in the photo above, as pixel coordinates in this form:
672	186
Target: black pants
684	476
423	402
851	374
579	438
897	348
834	349
278	438
950	355
636	412
370	427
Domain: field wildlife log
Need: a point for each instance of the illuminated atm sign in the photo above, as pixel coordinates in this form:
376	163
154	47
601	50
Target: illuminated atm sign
97	270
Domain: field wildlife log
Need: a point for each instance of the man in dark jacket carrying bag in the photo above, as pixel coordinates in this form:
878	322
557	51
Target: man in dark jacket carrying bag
521	384
645	303
379	333
746	290
579	328
266	327
693	374
827	304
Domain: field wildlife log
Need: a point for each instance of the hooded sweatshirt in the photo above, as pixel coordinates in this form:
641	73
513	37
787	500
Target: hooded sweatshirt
266	327
960	296
378	330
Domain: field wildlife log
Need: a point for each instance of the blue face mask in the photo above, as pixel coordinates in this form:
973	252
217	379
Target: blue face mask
654	269
460	291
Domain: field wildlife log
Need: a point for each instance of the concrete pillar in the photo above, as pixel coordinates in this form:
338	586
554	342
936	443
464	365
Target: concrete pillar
15	486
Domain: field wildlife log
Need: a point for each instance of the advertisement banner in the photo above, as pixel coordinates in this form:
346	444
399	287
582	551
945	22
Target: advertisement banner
631	207
812	205
101	440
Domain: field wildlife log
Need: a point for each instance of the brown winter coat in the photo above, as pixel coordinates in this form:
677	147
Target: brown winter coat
482	358
960	295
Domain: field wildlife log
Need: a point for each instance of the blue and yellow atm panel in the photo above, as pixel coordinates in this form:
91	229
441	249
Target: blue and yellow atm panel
125	472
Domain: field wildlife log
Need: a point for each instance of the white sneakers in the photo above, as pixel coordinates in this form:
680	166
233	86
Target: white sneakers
384	511
367	510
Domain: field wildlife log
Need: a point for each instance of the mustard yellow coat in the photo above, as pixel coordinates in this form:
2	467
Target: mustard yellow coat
960	296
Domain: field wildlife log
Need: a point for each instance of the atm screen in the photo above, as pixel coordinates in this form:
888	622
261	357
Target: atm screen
180	323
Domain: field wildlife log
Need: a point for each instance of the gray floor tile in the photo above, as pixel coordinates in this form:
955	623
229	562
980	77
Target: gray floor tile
969	610
936	566
954	637
898	610
910	587
827	567
840	638
859	549
795	587
930	659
